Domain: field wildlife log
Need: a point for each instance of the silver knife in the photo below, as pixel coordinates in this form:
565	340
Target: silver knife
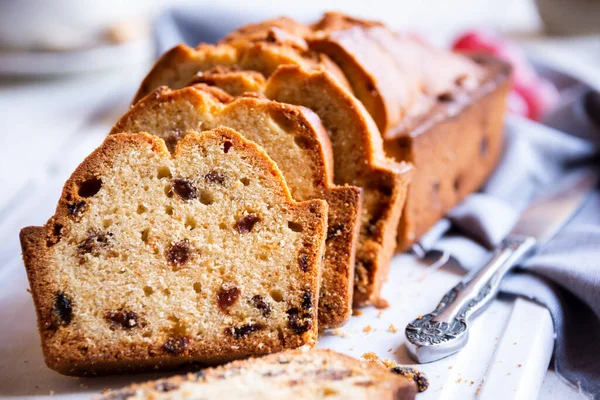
445	330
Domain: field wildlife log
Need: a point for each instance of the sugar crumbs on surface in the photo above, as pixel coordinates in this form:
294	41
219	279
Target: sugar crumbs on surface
392	328
367	329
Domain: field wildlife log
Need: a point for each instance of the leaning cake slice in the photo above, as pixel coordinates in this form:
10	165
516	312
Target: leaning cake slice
155	260
294	374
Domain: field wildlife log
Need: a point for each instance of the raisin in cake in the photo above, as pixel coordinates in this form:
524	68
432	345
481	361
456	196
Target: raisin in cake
294	374
154	260
296	140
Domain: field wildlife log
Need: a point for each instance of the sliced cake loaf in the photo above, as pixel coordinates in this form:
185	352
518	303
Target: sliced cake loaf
358	154
439	110
358	158
154	260
294	374
295	139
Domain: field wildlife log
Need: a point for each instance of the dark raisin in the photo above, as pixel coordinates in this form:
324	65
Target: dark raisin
307	302
94	242
334	231
411	373
184	189
263	306
179	253
299	322
240	331
246	223
214	177
75	208
90	187
63	306
303	262
226	146
165	386
177	345
227	296
445	97
122	318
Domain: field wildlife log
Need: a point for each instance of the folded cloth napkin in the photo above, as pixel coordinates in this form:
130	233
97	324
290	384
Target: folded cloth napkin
565	274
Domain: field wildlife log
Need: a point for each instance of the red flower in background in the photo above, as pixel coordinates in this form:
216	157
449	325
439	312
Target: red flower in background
532	96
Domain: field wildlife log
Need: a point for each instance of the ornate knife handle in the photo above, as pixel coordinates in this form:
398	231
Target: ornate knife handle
445	331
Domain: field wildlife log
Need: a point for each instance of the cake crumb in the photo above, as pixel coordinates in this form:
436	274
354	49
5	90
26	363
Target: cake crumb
419	316
450	367
379	314
356	312
519	365
514	343
392	328
477	391
367	329
390	350
471	383
458	380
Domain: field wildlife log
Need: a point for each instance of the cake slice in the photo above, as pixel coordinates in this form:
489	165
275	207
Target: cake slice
358	159
155	260
295	139
294	374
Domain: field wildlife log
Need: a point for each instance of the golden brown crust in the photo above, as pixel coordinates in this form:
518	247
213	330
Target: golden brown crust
178	66
299	373
64	348
157	112
468	132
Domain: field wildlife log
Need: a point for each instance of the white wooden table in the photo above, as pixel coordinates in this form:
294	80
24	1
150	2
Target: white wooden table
48	127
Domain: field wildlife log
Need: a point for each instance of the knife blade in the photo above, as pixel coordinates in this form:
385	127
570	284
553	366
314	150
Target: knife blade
445	330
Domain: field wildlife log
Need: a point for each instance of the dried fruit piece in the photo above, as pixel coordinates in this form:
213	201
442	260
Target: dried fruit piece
179	253
214	177
303	262
246	223
226	146
176	345
94	242
262	305
227	296
122	318
75	208
184	189
334	231
63	307
299	322
240	331
414	374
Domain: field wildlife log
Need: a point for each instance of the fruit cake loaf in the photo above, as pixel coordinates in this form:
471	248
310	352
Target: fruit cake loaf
439	110
294	374
358	151
177	65
155	260
357	145
295	139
